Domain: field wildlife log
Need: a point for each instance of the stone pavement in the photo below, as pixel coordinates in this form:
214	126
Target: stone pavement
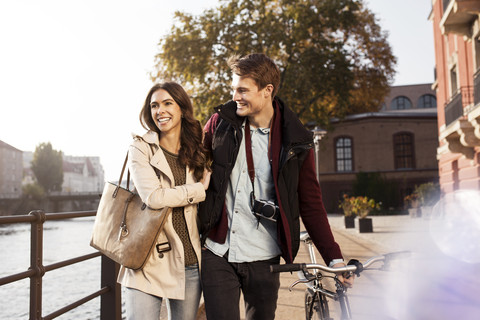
429	285
434	291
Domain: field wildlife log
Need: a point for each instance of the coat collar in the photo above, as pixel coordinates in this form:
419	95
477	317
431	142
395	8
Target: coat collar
157	159
150	137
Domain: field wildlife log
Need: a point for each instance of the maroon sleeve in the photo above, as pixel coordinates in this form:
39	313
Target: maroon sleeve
313	213
209	129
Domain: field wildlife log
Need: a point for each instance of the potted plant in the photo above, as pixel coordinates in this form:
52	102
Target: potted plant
347	205
412	203
362	207
428	194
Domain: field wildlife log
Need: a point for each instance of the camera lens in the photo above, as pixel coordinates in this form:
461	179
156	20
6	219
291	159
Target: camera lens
268	210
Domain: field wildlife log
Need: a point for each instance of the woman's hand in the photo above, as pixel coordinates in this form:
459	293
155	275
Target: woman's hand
206	178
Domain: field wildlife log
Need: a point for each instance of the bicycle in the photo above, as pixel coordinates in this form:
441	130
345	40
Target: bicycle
316	294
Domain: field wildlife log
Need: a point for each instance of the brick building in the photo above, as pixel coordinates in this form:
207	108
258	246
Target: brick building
399	143
456	31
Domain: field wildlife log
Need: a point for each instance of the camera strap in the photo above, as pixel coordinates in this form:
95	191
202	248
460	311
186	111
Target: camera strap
248	151
250	165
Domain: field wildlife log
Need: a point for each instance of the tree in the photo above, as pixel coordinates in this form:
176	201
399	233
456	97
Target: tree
47	165
333	56
33	191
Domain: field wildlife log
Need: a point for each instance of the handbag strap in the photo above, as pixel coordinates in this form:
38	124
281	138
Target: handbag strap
123	226
121	176
157	172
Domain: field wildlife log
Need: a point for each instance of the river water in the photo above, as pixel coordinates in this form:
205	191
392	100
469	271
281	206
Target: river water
62	240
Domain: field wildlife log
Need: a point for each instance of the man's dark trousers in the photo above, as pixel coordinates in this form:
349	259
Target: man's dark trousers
222	282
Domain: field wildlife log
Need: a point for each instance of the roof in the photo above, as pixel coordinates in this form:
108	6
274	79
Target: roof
78	167
7	146
396	114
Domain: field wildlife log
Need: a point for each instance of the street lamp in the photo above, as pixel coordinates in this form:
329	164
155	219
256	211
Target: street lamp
318	134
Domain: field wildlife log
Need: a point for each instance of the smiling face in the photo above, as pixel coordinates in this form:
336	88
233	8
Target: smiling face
250	100
166	113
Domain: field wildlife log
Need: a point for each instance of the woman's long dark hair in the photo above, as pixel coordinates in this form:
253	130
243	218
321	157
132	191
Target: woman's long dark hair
192	152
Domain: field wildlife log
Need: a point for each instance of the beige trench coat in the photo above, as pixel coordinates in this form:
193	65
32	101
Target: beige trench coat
163	277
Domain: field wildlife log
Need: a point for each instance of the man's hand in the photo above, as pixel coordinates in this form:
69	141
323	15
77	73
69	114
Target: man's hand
346	279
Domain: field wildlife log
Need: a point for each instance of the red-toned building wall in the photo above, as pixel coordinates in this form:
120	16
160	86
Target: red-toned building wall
456	30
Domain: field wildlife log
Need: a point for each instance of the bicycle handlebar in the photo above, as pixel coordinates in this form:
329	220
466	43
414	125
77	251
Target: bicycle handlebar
301	266
353	266
287	267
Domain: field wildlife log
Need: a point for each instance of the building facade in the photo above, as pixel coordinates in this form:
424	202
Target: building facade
82	174
398	143
456	31
11	171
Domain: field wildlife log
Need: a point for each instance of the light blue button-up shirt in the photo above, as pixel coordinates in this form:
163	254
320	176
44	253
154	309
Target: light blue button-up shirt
247	239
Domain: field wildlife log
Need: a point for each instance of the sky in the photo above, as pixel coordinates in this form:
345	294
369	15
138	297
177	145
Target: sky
75	73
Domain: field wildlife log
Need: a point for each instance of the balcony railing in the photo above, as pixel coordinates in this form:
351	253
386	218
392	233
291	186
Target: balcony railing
476	88
454	107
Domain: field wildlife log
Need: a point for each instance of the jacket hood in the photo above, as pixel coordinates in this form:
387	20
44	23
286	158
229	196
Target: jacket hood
228	111
293	131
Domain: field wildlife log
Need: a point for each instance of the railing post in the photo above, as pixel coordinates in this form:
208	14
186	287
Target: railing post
111	302
36	264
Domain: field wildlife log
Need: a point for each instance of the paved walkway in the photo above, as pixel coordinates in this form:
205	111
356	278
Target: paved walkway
429	285
434	291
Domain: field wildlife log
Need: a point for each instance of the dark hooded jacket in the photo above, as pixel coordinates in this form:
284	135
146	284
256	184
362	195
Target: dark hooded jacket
293	167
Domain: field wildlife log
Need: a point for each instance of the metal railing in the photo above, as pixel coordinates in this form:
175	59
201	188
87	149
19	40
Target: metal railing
476	87
110	293
454	107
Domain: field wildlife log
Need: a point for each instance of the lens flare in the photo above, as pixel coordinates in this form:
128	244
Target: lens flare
455	225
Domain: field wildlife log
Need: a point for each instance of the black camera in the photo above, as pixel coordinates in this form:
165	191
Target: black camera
265	209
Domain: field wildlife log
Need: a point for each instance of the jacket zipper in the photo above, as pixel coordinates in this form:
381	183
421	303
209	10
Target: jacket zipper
291	153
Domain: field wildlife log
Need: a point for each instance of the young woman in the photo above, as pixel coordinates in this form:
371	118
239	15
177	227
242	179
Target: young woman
169	168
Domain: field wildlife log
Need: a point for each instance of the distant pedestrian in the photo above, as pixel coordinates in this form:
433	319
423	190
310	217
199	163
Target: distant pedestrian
169	168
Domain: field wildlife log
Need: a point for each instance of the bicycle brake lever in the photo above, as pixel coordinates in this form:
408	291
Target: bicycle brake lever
290	288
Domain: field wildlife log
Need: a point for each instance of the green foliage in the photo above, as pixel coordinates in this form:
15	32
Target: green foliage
33	191
374	185
346	205
333	57
47	165
360	206
427	193
411	201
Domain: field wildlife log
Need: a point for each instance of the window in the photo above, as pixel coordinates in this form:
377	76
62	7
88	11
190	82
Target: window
343	154
453	80
401	103
427	101
403	150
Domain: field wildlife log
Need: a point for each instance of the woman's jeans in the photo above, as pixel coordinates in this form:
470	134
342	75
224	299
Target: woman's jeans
143	306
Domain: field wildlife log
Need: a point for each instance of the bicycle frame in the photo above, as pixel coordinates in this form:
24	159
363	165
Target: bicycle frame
317	287
316	294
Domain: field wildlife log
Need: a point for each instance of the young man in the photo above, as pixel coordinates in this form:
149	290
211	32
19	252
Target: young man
263	180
